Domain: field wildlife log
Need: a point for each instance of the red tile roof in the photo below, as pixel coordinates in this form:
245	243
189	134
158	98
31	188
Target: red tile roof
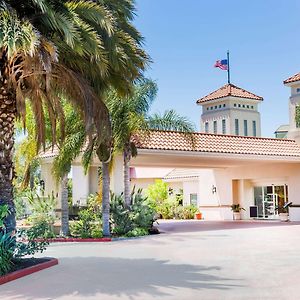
229	90
214	143
293	78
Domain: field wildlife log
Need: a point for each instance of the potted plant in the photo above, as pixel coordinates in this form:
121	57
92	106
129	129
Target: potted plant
284	211
236	211
198	215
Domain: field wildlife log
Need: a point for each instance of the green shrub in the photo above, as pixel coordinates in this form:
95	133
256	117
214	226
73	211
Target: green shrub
138	215
186	212
88	225
120	215
13	247
42	208
137	232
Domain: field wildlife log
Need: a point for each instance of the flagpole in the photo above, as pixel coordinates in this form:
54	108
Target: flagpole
228	68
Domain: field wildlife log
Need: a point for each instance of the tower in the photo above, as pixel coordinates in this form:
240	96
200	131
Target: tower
231	110
294	106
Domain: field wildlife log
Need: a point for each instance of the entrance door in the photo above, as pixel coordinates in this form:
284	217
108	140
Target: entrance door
268	198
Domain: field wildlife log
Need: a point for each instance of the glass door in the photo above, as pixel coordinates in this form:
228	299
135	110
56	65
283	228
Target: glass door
268	199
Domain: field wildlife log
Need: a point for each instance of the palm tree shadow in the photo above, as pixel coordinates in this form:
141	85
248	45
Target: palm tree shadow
87	276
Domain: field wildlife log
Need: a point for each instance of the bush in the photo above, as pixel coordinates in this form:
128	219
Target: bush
137	232
88	226
138	217
13	247
42	208
186	212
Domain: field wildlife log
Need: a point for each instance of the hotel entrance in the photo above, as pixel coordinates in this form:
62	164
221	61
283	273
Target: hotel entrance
267	199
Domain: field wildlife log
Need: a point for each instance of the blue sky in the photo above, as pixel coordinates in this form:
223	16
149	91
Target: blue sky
185	38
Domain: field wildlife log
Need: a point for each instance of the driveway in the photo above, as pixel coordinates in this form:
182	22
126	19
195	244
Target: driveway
191	260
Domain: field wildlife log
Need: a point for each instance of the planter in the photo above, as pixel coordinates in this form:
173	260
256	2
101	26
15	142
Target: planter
198	216
237	216
284	217
50	262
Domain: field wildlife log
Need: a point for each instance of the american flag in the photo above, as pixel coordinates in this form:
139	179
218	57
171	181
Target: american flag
222	64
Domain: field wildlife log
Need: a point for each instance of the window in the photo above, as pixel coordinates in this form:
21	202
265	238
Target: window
215	127
252	107
243	105
234	104
298	90
207	108
220	106
248	106
239	105
224	126
245	128
297	116
254	128
216	106
193	199
236	125
224	105
206	127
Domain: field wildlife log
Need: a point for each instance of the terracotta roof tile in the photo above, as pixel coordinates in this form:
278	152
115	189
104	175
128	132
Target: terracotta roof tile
293	78
229	90
204	142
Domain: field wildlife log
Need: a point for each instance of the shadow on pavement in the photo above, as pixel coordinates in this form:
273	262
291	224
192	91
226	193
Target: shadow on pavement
89	276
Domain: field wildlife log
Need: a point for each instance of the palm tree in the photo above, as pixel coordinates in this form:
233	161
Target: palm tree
130	115
170	120
51	49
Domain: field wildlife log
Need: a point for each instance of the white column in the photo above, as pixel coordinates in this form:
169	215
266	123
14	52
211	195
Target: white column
117	176
80	185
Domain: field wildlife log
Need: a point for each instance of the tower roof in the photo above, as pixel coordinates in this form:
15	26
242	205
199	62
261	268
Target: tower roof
229	90
293	78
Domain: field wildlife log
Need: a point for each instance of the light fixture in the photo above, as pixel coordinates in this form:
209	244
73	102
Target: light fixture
214	189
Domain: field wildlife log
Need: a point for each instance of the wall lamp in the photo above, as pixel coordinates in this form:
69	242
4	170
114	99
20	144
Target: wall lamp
214	189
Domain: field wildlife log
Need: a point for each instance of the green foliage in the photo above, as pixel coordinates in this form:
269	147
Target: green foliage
127	219
158	192
186	212
42	208
88	226
170	120
13	247
4	211
236	208
137	232
121	217
7	248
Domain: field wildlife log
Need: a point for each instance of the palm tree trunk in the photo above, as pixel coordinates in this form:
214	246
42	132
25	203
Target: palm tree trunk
105	199
7	120
127	197
64	206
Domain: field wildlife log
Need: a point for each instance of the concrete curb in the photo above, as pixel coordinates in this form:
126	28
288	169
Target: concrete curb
27	271
75	240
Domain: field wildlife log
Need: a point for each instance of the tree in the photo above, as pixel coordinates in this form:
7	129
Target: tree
131	114
61	49
170	120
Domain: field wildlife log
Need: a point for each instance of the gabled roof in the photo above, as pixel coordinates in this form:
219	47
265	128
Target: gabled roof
183	173
229	90
283	128
293	78
214	143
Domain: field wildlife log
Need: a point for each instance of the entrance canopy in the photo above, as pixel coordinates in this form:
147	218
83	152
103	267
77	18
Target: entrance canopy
201	150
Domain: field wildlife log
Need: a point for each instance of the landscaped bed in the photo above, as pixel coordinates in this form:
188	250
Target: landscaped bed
27	266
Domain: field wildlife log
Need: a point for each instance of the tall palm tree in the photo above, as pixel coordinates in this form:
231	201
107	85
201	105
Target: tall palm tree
128	116
55	48
131	114
170	120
